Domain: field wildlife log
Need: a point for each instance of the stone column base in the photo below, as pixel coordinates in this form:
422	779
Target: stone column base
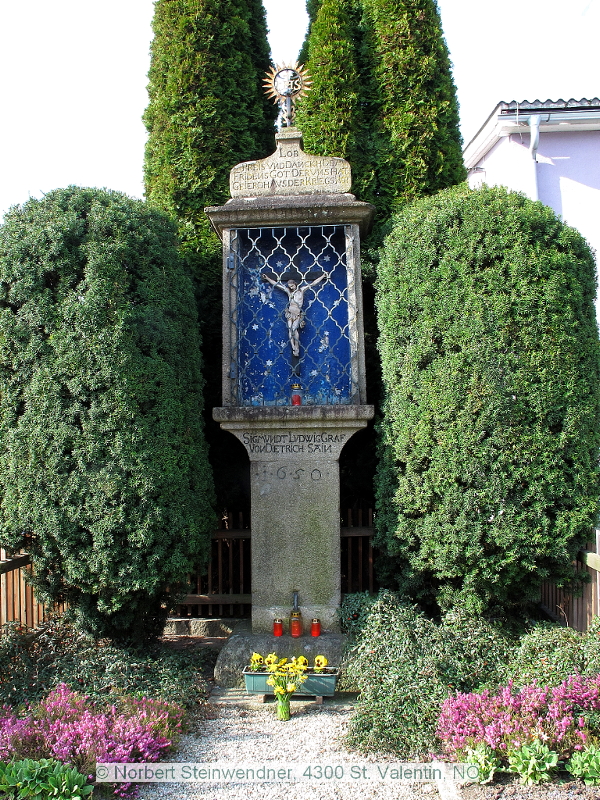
294	469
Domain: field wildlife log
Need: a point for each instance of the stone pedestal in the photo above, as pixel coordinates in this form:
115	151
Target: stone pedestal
294	454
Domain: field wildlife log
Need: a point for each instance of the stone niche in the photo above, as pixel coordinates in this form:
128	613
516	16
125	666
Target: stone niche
293	365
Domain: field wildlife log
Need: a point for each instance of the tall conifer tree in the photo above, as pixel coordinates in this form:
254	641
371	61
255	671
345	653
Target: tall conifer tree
396	96
419	147
207	112
332	115
312	7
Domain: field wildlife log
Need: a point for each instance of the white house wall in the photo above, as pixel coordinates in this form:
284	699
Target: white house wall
508	163
569	179
568	176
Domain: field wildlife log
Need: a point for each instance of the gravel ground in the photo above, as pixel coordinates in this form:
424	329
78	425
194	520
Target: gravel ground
247	732
239	730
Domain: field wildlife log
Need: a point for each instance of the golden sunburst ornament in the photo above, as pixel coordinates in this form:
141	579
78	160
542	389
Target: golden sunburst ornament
287	82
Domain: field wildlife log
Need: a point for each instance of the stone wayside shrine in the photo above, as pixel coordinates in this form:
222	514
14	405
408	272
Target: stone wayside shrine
293	379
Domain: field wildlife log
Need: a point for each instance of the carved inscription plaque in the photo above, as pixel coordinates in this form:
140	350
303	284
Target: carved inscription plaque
290	171
306	443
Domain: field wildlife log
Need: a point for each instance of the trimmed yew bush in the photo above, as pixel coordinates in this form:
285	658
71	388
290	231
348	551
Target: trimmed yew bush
103	470
488	478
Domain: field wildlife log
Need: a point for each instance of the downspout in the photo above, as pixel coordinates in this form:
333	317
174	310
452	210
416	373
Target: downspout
534	127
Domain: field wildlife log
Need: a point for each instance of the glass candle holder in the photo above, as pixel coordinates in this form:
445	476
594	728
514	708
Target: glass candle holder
296	394
315	627
295	624
277	627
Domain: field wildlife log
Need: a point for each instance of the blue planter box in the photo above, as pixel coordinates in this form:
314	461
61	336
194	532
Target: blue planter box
319	685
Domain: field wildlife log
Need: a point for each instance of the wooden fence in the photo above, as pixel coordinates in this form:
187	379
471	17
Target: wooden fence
577	612
17	602
225	589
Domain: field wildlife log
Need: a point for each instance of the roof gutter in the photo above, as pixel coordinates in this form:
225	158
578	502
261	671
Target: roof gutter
499	125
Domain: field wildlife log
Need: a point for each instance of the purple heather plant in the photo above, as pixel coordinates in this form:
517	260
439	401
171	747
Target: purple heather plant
66	726
509	719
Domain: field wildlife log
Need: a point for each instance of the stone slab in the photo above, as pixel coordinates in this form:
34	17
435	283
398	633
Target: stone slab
236	653
290	171
344	416
299	210
300	433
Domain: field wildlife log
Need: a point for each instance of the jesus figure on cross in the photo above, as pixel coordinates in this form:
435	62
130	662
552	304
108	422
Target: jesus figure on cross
293	312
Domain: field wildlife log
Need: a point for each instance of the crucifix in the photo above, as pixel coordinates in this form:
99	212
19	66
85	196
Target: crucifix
294	314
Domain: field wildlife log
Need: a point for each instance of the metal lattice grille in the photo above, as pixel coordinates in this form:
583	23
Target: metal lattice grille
291	316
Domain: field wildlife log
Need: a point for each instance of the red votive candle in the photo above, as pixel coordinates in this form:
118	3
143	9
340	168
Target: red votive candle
277	627
296	394
296	626
315	628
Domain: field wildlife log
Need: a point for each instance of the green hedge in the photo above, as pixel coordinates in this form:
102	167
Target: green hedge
488	477
103	470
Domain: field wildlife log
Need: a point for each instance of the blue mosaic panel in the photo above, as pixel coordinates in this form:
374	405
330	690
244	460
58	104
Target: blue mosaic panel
292	293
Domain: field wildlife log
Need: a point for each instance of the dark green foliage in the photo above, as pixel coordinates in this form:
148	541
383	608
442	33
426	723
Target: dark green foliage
549	653
312	7
353	612
330	117
33	663
384	98
103	470
488	476
207	113
405	665
419	150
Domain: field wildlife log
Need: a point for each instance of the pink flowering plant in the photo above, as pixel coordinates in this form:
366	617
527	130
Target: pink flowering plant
66	726
557	716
